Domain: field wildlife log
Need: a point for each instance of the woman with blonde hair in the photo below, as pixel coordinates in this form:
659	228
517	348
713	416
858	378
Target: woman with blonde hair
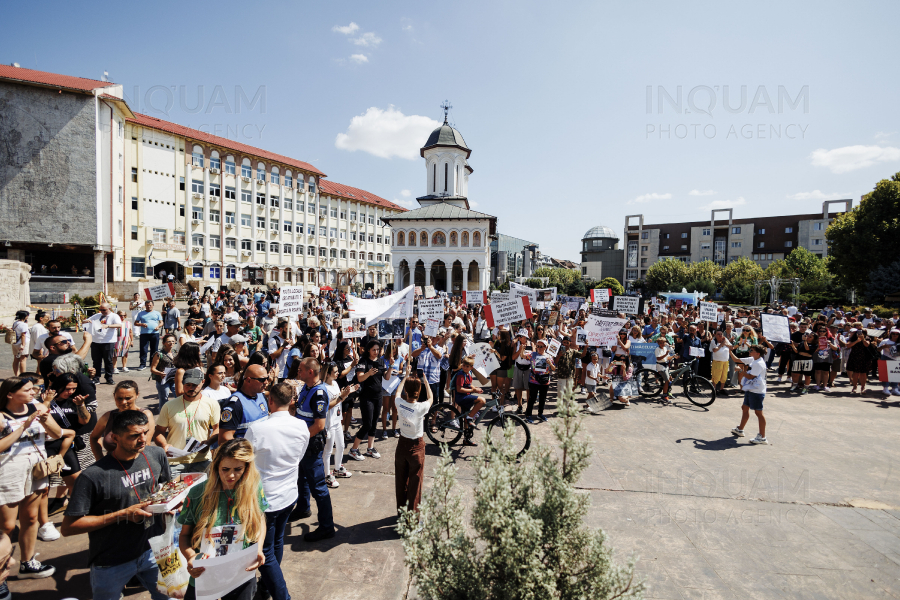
225	514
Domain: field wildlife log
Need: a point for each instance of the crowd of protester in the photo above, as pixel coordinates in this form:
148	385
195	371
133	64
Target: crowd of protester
271	408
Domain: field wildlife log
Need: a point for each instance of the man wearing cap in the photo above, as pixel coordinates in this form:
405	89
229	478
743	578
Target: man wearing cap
190	420
232	326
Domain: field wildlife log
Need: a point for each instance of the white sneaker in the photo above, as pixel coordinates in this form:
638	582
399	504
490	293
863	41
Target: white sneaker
332	482
886	391
826	389
759	440
373	453
355	454
124	369
737	432
48	533
115	371
342	472
896	392
780	379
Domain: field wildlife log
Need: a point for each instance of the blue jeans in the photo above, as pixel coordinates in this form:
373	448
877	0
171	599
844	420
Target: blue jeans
164	391
107	583
149	342
273	548
312	477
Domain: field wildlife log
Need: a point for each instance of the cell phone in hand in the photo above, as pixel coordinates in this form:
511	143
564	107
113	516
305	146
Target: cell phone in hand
420	373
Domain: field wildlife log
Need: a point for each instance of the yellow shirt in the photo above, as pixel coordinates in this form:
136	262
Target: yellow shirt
188	419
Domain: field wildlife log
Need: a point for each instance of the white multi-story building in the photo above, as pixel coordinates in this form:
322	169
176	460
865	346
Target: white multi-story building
216	212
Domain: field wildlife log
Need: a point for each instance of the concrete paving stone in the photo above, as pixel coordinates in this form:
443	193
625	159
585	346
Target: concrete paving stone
882	541
856	584
751	584
883	518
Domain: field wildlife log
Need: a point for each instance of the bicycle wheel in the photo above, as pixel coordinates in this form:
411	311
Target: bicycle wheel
650	383
521	433
437	421
698	390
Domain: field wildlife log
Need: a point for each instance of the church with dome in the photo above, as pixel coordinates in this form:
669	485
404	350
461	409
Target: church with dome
444	242
600	254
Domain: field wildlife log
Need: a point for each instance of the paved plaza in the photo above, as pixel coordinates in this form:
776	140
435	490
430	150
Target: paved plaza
816	514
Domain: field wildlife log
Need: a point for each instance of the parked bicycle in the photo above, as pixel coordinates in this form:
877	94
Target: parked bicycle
444	424
699	390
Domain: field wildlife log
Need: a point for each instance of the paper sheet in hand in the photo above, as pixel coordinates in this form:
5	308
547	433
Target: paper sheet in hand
708	311
776	327
553	350
485	359
224	573
431	327
390	385
697	351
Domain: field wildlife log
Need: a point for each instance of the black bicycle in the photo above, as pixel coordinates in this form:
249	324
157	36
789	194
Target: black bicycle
699	390
445	425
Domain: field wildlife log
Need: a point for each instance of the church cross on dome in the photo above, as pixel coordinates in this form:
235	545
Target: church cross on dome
446	106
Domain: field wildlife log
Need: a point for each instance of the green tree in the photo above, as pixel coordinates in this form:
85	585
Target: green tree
701	285
534	283
705	270
807	266
576	288
883	281
666	275
868	236
742	271
526	537
557	276
611	283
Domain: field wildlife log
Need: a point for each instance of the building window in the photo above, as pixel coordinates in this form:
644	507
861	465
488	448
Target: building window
229	168
756	257
230	244
684	246
215	241
215	190
230	272
332	253
229	218
178	237
214	216
760	232
197	214
735	244
246	171
260	222
288	226
706	231
246	196
134	174
632	256
343	214
352	215
371	257
631	274
197	272
323	231
260	246
323	252
273	247
181	183
288	180
665	236
246	220
332	232
665	247
288	204
312	187
261	172
387	258
246	244
704	246
260	199
197	240
159	236
816	226
735	230
134	232
362	218
762	245
181	210
789	244
273	224
645	248
311	250
371	219
196	186
230	193
769	256
645	235
371	238
310	229
311	208
342	234
683	236
352	255
643	262
343	254
789	230
134	203
333	211
378	239
137	267
273	201
817	242
214	272
276	178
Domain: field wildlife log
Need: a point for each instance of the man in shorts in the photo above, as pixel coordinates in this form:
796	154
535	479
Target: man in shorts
753	382
664	356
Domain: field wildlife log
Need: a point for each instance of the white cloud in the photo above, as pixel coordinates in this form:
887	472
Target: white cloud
406	202
702	193
884	134
359	58
817	195
473	204
405	193
717	204
851	158
369	40
346	29
386	133
651	196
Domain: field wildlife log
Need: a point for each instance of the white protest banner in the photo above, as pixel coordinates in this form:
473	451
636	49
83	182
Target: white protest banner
499	297
431	309
418	290
630	305
570	306
776	328
395	306
160	292
346	324
708	311
314	291
517	290
553	350
476	297
889	371
504	313
600	295
485	360
700	352
429	291
602	331
431	326
291	301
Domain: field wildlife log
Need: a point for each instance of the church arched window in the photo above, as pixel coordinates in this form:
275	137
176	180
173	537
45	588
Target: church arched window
412	238
465	239
423	239
476	239
454	239
438	239
446	173
434	178
401	238
456	189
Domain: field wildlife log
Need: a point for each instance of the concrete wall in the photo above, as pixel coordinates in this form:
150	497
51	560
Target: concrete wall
47	166
14	288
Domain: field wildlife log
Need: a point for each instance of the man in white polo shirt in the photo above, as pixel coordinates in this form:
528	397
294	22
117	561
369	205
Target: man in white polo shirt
279	441
105	327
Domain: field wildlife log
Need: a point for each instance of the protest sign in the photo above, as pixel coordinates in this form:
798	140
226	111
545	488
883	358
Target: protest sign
603	312
485	360
603	331
418	290
499	297
504	313
291	301
346	324
553	350
775	327
580	336
431	309
395	306
476	297
431	326
429	291
698	352
357	328
708	311
600	295
517	291
160	292
314	291
646	352
389	329
889	371
546	294
630	305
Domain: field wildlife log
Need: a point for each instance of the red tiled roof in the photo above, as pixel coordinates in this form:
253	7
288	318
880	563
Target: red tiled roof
200	136
345	191
52	79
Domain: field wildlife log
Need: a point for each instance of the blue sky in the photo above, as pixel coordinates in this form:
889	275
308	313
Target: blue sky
552	98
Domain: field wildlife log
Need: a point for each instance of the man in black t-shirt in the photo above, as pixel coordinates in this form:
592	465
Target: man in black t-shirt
109	504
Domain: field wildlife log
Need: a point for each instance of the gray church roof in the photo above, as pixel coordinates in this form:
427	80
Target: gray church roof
440	210
446	136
